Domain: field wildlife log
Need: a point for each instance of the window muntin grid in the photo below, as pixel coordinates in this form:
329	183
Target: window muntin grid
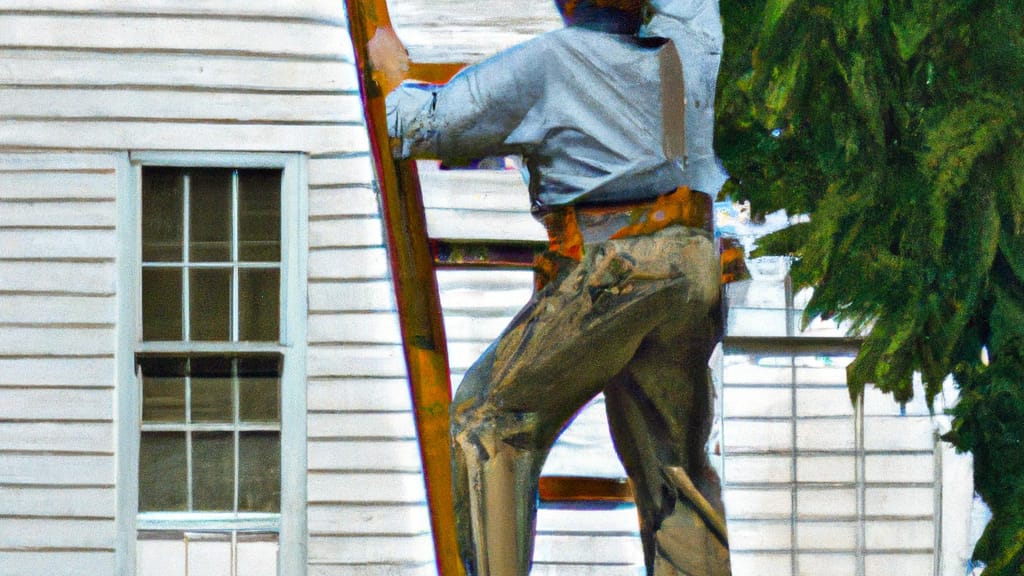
210	434
210	441
207	277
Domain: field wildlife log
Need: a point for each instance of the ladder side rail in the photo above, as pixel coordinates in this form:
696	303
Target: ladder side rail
415	286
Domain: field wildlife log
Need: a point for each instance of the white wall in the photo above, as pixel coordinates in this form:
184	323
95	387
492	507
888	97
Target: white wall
58	312
82	84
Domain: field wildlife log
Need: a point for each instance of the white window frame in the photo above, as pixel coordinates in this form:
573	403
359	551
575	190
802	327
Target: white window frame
291	523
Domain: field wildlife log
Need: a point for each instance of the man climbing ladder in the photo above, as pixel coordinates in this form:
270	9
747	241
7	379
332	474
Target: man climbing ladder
629	301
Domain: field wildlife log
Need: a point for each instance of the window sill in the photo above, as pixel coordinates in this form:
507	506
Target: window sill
209	521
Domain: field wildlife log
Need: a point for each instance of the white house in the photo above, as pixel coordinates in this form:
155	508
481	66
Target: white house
200	365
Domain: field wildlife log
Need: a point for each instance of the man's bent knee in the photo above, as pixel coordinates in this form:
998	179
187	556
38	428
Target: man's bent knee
486	430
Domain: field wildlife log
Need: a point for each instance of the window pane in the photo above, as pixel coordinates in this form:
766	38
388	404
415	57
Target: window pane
210	303
161	214
163	472
259	390
163	390
258	304
213	471
161	304
210	215
259	472
211	390
259	215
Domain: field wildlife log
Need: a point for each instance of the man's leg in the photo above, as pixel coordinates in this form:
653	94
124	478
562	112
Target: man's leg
561	350
660	411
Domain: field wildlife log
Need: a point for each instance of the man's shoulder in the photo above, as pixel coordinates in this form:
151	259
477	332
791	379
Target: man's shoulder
576	39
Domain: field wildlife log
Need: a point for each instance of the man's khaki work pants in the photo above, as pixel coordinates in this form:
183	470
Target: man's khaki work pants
637	318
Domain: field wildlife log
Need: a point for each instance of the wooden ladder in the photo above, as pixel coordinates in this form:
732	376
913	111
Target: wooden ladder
414	257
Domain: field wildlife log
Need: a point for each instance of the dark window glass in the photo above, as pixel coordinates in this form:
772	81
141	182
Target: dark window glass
259	473
210	303
161	304
259	293
259	390
162	216
163	390
259	215
213	471
163	472
210	215
212	398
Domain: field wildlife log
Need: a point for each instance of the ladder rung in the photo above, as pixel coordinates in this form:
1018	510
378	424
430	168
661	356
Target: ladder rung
449	253
582	488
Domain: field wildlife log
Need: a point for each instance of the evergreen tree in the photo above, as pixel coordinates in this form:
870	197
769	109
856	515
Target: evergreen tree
898	125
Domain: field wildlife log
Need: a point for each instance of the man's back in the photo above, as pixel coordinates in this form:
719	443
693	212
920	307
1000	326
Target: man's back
586	109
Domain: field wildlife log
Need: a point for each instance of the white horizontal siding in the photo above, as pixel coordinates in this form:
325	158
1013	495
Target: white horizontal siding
367	510
365	569
67	404
45	470
57	346
201	134
56	340
57	244
347	232
347	487
368	519
40	214
28	309
342	201
467	30
361	425
388	552
175	33
75	502
49	184
101	71
175	104
347	264
58	436
359	394
161	75
30	532
56	562
65	372
366	360
170	75
346	327
365	454
334	171
477	204
311	9
58	278
370	295
472	224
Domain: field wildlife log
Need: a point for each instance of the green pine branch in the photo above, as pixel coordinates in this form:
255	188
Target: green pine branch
898	125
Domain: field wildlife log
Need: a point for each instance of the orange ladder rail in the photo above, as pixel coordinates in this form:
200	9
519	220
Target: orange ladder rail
413	258
415	285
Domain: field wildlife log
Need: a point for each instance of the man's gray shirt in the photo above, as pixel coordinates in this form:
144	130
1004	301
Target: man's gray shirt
598	117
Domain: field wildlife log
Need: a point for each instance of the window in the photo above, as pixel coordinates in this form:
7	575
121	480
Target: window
211	437
211	270
218	353
211	254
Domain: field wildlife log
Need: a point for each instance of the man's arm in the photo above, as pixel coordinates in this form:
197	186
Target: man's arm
473	115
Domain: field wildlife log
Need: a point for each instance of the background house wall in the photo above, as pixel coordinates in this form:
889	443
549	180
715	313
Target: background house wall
85	83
